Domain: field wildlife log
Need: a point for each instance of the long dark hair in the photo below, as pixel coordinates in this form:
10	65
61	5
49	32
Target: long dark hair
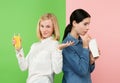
77	15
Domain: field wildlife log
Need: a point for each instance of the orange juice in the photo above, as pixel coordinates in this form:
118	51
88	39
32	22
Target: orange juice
17	41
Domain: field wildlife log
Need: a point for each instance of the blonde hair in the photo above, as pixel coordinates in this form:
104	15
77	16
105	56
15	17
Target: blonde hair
53	18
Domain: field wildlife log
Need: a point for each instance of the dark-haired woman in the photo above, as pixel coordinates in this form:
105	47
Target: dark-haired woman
78	62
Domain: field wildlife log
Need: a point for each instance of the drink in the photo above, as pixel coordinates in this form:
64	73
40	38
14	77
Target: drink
17	41
93	47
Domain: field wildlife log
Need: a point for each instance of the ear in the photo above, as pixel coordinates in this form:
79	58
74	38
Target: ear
74	23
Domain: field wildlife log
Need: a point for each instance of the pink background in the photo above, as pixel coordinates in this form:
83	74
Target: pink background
105	27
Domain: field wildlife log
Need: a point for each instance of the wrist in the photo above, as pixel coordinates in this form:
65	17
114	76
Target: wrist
18	49
59	48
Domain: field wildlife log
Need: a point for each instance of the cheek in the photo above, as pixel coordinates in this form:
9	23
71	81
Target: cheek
51	31
80	30
40	29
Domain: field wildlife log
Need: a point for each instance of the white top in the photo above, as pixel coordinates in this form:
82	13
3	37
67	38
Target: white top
43	60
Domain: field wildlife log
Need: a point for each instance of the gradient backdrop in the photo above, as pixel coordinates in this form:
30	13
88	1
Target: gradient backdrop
21	16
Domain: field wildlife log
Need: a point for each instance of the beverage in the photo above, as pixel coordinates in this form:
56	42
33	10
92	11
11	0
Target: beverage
17	41
93	47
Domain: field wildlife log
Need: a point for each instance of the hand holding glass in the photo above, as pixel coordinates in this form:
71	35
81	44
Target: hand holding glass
17	41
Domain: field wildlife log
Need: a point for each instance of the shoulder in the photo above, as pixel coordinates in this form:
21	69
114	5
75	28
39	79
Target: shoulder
67	39
54	42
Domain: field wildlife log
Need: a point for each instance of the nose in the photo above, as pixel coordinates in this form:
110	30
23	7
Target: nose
44	29
87	28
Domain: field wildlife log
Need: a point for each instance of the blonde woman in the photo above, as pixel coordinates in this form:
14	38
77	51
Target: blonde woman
45	57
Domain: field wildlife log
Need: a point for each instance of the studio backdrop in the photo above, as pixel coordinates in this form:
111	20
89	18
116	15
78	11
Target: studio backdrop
21	16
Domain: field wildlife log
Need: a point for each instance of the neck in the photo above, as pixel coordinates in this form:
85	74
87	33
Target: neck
45	37
74	34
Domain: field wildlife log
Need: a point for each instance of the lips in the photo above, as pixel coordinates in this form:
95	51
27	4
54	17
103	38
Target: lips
85	32
44	33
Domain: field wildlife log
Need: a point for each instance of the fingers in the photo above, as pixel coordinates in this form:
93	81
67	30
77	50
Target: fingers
99	51
92	59
69	43
86	36
89	36
64	45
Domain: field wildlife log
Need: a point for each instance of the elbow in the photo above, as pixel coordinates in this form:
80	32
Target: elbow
58	69
23	67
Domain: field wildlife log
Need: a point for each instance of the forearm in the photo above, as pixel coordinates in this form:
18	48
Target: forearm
78	62
21	59
57	61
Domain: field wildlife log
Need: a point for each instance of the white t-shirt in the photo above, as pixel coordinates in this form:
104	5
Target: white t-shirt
42	61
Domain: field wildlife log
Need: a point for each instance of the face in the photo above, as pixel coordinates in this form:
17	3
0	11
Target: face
46	28
82	27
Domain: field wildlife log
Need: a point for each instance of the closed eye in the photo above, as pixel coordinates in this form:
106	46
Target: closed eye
86	23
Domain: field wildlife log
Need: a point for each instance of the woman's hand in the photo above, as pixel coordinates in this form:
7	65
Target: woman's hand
64	45
86	38
93	59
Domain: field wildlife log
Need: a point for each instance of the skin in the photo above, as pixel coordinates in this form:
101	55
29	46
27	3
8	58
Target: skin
47	29
81	29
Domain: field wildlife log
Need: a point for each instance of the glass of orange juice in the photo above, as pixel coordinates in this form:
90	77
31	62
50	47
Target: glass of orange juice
17	40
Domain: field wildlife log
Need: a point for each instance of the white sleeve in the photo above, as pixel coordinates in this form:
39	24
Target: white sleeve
57	60
22	61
